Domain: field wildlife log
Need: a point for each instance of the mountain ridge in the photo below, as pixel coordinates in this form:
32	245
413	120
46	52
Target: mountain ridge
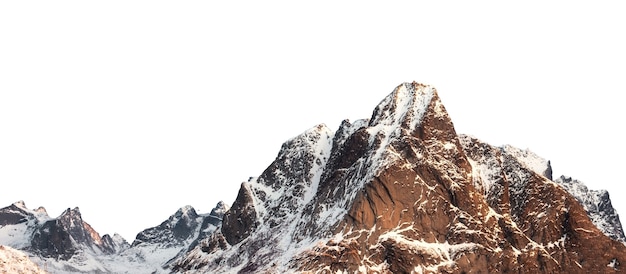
400	192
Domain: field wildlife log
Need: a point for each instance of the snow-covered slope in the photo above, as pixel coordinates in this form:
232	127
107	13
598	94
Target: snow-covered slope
18	223
13	261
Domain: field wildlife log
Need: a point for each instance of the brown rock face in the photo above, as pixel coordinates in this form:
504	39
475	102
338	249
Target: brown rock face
430	200
403	193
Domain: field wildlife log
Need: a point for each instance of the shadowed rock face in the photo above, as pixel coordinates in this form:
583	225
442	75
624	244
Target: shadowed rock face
13	214
402	192
64	236
240	219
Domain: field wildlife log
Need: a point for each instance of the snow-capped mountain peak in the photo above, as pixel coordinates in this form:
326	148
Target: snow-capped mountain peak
404	107
399	193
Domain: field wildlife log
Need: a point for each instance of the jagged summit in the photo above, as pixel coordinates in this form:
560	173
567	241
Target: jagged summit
220	208
404	107
20	204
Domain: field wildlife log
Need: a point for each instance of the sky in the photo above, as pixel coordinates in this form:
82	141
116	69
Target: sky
130	110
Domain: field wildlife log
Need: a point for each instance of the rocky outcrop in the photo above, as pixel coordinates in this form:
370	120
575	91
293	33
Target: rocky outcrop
598	206
402	192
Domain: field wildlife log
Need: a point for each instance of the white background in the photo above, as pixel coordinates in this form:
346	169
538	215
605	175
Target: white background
133	109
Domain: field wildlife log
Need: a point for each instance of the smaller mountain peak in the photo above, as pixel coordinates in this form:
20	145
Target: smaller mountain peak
320	127
186	211
118	237
222	205
20	204
186	208
220	209
71	213
313	131
41	210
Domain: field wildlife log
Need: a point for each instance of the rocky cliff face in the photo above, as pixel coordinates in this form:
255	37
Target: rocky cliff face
401	192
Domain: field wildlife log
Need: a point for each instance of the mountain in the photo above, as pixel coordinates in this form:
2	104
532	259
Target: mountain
155	246
67	244
402	192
